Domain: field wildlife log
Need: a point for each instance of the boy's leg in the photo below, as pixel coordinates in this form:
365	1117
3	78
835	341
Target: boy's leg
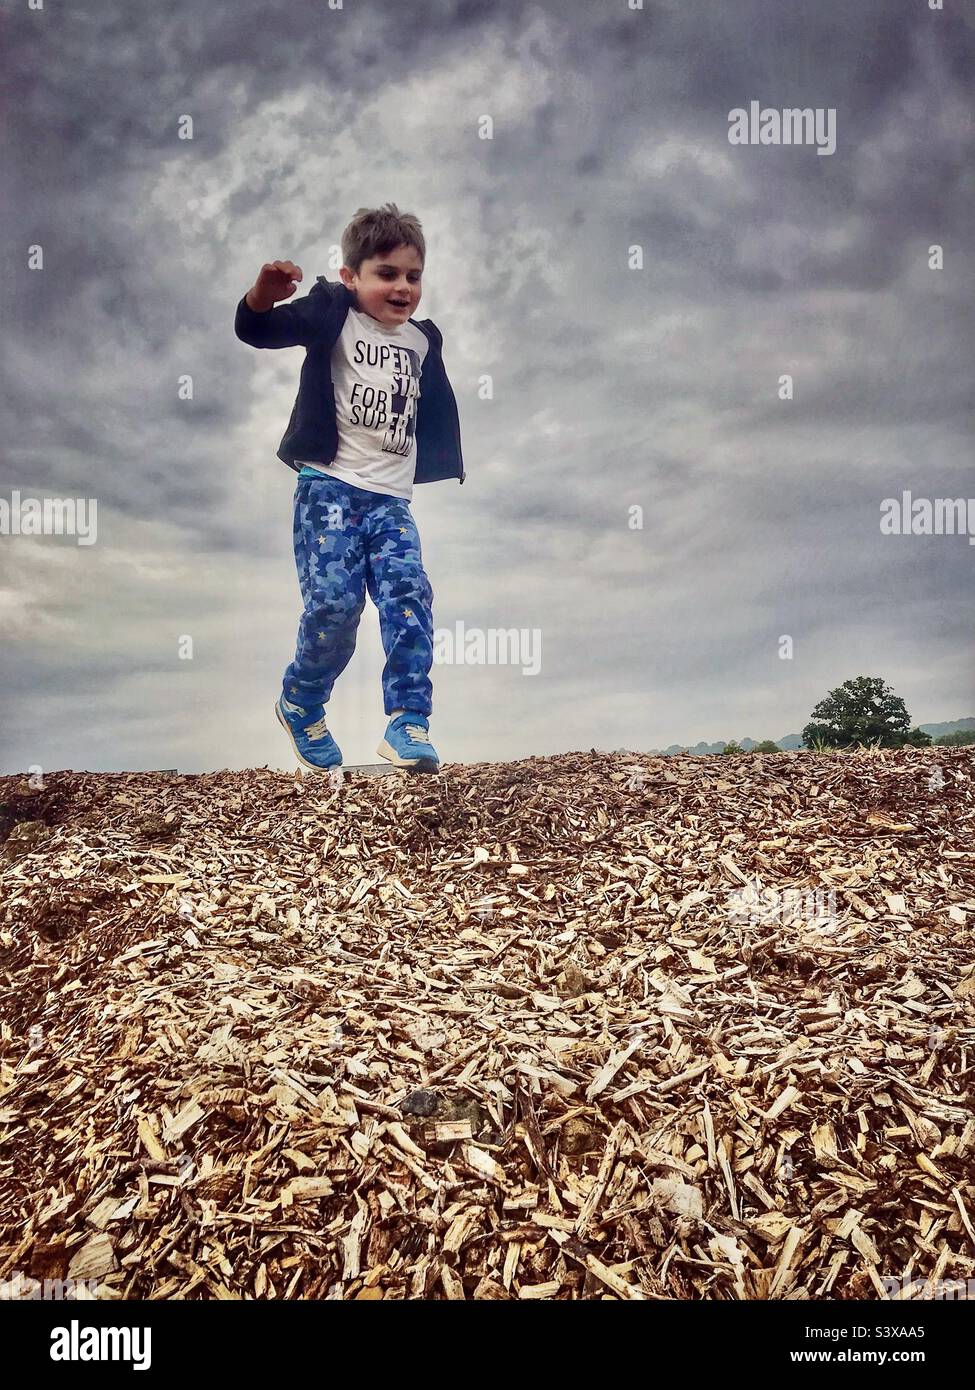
330	557
399	587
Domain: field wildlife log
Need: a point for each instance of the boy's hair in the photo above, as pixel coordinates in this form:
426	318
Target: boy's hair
374	231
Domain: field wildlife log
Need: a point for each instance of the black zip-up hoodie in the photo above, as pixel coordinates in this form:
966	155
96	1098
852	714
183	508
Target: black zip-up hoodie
315	322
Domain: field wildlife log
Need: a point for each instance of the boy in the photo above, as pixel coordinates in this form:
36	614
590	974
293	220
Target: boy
374	414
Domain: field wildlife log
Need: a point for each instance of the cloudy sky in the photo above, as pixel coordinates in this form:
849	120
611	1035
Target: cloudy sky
614	386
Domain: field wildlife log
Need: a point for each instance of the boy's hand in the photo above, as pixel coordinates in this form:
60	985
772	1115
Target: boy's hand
277	281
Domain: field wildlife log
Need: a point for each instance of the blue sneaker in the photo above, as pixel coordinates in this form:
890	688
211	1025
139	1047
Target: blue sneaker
407	743
313	744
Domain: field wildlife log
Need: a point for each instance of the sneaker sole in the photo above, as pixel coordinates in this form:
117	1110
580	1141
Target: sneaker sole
410	764
315	767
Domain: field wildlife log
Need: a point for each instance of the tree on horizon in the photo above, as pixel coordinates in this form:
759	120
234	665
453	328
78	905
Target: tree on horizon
862	711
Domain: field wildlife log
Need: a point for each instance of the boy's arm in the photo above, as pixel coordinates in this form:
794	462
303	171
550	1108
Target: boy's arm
283	325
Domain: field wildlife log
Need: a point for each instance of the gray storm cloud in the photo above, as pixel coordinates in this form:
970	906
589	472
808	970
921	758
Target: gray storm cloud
586	387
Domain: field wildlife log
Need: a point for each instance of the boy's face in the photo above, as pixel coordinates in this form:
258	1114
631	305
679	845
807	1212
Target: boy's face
387	286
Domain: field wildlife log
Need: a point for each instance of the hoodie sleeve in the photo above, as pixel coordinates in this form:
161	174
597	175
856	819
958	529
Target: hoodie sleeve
286	325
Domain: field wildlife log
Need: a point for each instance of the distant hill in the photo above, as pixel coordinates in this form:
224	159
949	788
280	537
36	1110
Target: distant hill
789	742
955	726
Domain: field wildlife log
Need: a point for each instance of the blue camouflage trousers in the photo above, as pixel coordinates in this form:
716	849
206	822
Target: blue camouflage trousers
348	540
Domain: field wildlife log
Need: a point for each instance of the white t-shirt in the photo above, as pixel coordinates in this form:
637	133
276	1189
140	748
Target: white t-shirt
376	375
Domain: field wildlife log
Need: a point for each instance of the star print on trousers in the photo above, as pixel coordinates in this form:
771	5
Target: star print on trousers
349	542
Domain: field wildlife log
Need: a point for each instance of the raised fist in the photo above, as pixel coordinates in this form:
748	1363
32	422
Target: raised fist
277	280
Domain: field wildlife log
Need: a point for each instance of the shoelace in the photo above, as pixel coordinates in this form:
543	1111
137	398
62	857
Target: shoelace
316	730
417	733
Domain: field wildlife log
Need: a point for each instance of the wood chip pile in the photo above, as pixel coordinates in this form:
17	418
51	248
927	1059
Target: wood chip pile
579	1027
